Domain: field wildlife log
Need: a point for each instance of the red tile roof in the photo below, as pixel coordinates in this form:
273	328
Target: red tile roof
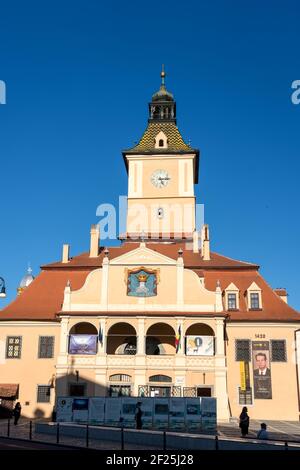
44	296
43	299
193	260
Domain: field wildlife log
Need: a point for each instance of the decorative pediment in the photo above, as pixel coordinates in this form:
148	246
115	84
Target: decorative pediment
232	287
142	256
254	287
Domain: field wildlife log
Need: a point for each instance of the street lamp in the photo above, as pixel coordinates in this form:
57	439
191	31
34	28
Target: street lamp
2	287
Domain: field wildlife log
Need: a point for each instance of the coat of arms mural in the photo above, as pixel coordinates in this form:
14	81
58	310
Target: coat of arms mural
141	282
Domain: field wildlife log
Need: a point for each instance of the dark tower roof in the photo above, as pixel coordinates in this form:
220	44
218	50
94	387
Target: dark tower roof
162	117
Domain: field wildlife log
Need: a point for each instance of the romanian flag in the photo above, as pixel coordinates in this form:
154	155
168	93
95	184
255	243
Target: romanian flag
178	339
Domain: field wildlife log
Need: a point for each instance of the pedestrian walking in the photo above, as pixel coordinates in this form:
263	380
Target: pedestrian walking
244	421
138	416
17	413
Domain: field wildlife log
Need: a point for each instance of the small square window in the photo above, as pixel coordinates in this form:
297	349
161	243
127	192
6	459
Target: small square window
242	350
254	300
43	394
278	350
13	347
46	347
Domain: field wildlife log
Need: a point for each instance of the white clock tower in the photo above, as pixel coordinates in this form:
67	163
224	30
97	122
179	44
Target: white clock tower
162	171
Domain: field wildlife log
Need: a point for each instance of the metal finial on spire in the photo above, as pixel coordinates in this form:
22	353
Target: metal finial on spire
163	74
29	270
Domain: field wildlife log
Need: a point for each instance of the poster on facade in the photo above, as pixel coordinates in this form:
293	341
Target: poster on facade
177	414
199	345
161	413
128	411
64	409
193	414
83	344
261	370
80	410
208	414
97	410
113	410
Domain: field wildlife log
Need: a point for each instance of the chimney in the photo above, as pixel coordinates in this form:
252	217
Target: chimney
66	254
282	293
94	244
205	244
195	242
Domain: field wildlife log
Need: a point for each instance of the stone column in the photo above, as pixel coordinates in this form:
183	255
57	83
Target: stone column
221	373
64	326
180	288
141	340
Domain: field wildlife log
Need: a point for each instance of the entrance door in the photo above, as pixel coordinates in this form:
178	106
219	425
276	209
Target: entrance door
162	392
203	391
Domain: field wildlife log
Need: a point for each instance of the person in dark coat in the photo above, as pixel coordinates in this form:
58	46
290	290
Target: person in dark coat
244	421
138	416
17	413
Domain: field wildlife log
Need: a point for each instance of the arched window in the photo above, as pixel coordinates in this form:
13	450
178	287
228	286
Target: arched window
160	378
161	143
120	378
121	339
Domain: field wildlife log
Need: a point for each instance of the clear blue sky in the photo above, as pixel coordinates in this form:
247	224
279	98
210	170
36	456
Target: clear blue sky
79	75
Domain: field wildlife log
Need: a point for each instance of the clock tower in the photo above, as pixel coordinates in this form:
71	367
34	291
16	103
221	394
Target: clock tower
162	170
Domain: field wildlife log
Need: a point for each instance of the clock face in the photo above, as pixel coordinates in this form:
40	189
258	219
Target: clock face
160	178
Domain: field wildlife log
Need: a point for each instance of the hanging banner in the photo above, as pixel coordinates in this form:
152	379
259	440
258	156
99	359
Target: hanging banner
199	345
261	370
243	376
83	344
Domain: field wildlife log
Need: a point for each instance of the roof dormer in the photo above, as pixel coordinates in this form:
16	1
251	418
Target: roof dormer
161	141
254	297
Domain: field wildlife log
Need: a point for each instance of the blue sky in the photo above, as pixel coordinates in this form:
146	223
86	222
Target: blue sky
79	76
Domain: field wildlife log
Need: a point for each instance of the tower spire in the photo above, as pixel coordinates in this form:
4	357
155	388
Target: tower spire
163	74
162	106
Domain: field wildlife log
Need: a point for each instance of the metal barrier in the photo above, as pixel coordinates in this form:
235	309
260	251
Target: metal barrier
86	437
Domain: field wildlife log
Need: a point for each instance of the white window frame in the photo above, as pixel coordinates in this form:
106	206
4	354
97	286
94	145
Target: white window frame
254	289
232	289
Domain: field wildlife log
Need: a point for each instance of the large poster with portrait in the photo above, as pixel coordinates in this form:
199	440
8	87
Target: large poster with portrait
83	344
199	345
261	370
